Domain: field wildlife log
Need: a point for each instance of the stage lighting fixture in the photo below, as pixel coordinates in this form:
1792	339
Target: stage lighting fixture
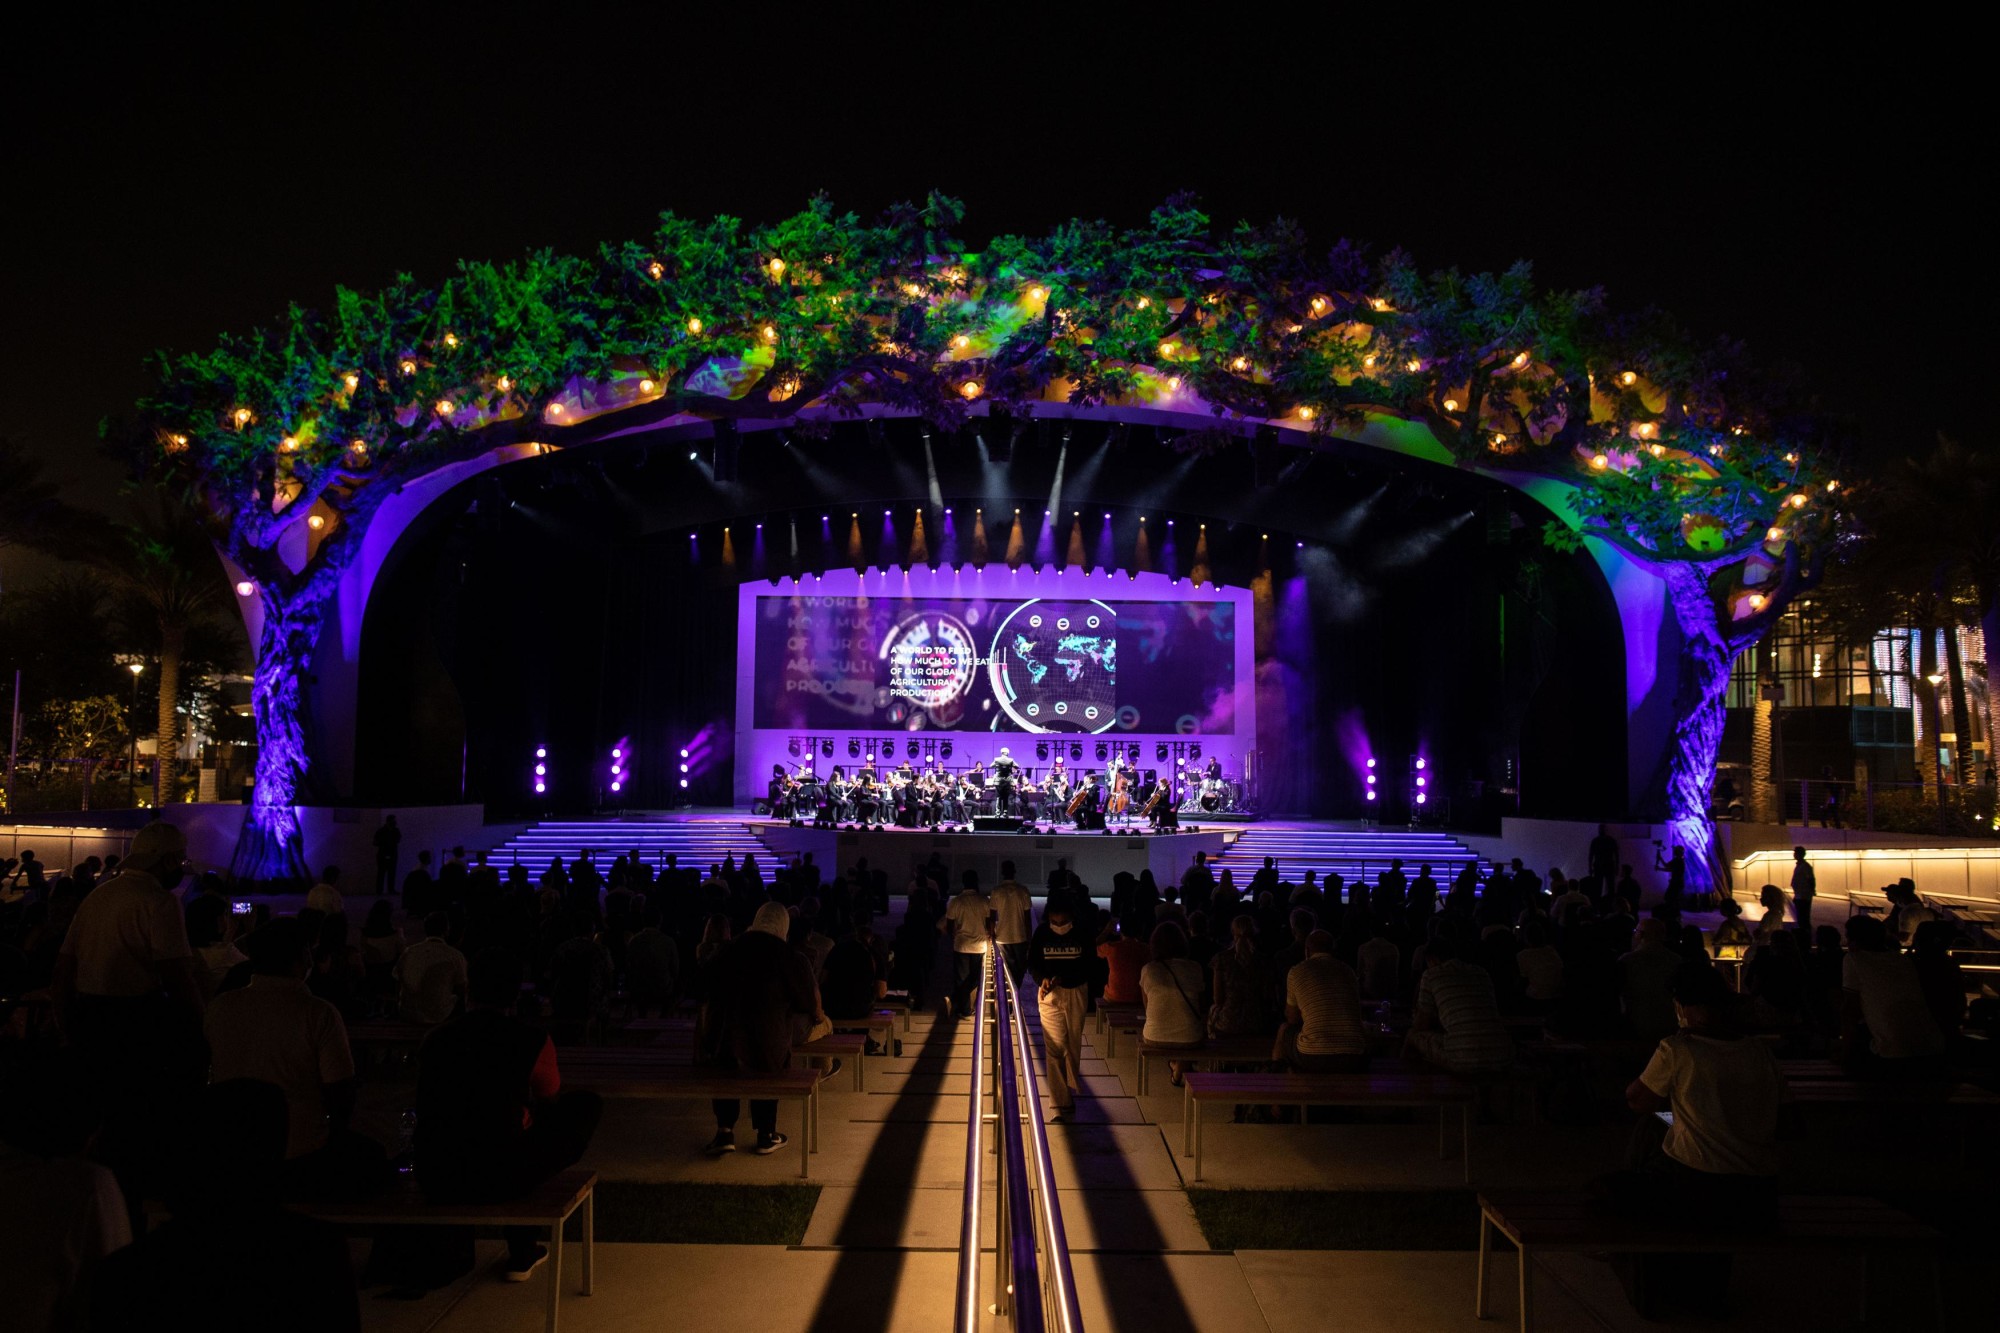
1420	763
1180	763
1103	752
911	749
1194	752
1421	798
616	785
1132	752
541	770
684	768
541	752
617	753
1160	753
793	746
684	754
1371	763
684	782
1371	793
853	748
1041	749
945	749
826	749
1075	750
1371	779
1420	782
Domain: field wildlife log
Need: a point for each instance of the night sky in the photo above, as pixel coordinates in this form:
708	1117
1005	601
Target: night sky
1825	201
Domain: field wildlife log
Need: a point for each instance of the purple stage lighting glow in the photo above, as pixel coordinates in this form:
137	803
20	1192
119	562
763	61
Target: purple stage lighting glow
684	754
541	752
1371	762
1420	782
1371	793
541	770
541	787
684	782
616	785
684	767
1421	798
1420	764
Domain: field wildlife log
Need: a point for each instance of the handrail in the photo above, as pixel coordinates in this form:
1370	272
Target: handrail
1060	1296
1019	1237
968	1317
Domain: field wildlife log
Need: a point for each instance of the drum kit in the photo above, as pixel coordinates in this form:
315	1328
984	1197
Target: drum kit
1213	796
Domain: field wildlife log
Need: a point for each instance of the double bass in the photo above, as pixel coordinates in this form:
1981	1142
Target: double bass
1121	799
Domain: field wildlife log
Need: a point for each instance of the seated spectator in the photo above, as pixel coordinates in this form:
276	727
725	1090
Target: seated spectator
1730	937
1323	1031
1171	983
1457	1024
60	1213
1886	1028
580	982
283	1271
338	975
1775	978
850	984
1646	982
1243	988
493	1119
652	965
274	1030
762	999
1541	966
1124	958
431	976
1378	964
1907	912
211	928
323	896
382	943
1716	1164
1940	976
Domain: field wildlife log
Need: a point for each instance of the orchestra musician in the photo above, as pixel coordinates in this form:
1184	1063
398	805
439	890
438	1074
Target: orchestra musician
780	791
1118	804
1055	792
1214	770
867	794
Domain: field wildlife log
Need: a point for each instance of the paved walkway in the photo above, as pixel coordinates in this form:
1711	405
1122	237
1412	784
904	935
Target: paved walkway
880	1252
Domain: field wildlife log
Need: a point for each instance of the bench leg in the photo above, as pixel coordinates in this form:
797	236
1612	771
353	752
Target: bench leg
1187	1121
589	1241
1485	1258
555	1273
1465	1138
805	1138
1444	1119
1143	1062
861	1071
1197	1141
1527	1303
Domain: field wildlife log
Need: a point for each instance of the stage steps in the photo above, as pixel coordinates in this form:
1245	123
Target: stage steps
1352	853
699	841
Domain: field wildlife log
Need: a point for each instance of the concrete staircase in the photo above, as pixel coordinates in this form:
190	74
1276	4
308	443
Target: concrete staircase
1356	853
698	841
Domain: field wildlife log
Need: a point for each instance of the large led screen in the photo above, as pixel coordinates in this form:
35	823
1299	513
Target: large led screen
1061	665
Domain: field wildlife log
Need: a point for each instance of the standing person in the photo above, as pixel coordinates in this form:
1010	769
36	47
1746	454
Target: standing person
128	998
1062	964
1013	923
493	1119
1197	883
762	993
1603	857
968	921
388	839
418	886
1677	875
325	895
1805	887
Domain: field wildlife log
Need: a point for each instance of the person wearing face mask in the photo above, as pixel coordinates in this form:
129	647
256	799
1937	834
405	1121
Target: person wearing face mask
1062	960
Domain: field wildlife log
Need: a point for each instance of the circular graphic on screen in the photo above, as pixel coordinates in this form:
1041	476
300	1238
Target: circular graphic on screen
932	661
1054	665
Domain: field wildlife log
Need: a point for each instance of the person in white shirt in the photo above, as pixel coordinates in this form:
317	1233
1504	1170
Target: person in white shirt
1881	991
1013	913
125	981
323	896
1171	987
60	1213
430	976
1716	1165
967	919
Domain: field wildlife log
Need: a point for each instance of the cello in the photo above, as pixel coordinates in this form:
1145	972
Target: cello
1121	799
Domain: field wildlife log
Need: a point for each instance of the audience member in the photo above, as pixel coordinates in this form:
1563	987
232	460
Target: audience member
765	1000
1062	965
1323	1030
1171	984
431	975
967	920
493	1119
1886	1028
1456	1024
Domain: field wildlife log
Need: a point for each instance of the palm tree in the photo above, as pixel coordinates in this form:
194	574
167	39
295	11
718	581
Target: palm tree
172	585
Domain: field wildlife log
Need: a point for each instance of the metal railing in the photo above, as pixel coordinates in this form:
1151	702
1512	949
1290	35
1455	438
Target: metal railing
1031	1250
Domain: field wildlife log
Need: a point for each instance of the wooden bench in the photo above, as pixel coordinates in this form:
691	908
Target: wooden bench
1115	1018
659	1080
1553	1220
1213	1050
549	1205
1401	1088
849	1046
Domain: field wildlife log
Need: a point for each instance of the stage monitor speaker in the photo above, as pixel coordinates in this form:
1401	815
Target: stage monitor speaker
996	824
